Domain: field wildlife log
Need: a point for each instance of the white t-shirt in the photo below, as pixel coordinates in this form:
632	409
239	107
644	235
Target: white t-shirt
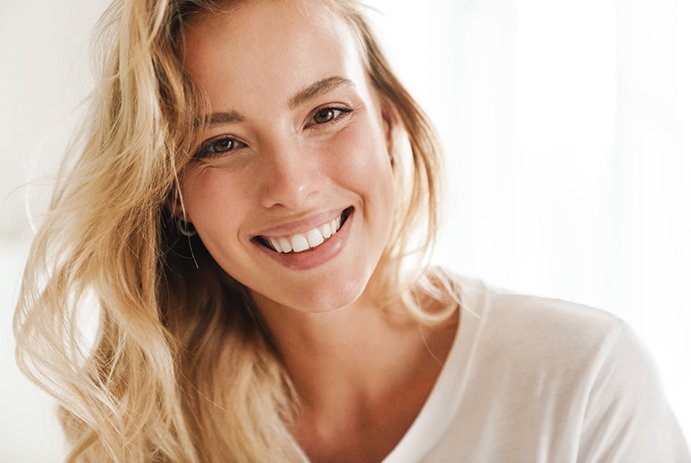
532	380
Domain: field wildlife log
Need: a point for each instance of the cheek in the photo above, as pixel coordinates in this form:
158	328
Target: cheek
212	199
366	169
362	156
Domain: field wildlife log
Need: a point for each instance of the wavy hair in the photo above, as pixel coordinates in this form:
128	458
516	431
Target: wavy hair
179	367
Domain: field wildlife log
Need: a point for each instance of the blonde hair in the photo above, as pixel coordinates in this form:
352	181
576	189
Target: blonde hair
180	367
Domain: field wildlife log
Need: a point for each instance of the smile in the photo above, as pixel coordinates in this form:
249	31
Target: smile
305	241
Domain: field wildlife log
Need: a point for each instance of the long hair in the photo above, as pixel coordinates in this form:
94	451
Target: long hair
180	367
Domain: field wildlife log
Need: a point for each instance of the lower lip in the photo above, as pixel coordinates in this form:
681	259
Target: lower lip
315	257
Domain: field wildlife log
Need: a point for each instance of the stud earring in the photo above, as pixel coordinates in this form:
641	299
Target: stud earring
185	228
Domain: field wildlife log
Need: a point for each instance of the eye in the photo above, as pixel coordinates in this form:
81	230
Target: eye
328	114
218	147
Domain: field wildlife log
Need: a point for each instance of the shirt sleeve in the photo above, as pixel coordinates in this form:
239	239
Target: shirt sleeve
627	417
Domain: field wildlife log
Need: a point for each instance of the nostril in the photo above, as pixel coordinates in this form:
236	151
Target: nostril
289	180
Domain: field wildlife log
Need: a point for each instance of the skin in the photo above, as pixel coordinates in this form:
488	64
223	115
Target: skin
287	170
252	62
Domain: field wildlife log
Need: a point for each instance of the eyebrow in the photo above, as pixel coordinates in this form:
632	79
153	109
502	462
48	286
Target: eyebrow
312	91
226	117
318	88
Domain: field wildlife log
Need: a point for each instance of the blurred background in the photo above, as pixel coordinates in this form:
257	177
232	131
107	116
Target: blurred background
567	127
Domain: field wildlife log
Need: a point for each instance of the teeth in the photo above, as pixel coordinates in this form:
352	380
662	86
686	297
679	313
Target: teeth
308	240
326	230
275	244
285	245
314	238
299	243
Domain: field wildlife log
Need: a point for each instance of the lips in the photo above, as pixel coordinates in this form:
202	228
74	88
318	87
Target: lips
310	239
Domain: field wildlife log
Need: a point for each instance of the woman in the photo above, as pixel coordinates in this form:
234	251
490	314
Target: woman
242	209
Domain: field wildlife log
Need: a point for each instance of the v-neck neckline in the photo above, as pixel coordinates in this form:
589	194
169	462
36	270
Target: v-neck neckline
445	397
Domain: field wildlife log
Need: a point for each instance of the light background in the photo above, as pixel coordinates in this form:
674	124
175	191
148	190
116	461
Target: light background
567	127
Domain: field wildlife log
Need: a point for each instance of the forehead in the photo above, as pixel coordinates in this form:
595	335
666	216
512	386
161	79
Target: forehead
262	47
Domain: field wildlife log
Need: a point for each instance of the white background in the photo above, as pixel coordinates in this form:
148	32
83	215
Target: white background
567	127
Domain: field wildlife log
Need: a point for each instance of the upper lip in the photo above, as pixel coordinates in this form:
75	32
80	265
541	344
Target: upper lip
301	225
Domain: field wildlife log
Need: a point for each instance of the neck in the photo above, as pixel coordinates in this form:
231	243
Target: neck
331	356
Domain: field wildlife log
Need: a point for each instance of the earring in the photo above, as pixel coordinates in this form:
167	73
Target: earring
185	228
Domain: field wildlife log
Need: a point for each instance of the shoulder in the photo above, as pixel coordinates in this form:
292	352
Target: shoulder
539	327
552	349
560	362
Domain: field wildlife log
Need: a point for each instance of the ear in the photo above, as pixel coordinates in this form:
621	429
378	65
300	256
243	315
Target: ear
391	121
173	203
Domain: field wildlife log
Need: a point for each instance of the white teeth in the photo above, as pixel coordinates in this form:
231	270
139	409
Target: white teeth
276	245
304	241
326	230
285	245
299	243
315	238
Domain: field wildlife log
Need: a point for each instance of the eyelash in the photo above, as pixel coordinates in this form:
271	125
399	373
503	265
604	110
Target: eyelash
212	148
209	148
341	110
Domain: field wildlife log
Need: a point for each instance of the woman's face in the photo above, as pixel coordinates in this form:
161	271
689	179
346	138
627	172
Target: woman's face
296	150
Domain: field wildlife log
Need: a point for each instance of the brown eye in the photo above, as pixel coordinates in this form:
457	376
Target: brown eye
219	147
324	115
223	145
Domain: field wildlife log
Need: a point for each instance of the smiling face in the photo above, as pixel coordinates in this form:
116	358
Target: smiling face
291	188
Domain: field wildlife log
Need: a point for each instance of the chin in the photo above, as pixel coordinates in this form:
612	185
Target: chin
327	301
323	298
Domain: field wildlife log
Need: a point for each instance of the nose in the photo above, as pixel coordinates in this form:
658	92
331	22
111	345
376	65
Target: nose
291	175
